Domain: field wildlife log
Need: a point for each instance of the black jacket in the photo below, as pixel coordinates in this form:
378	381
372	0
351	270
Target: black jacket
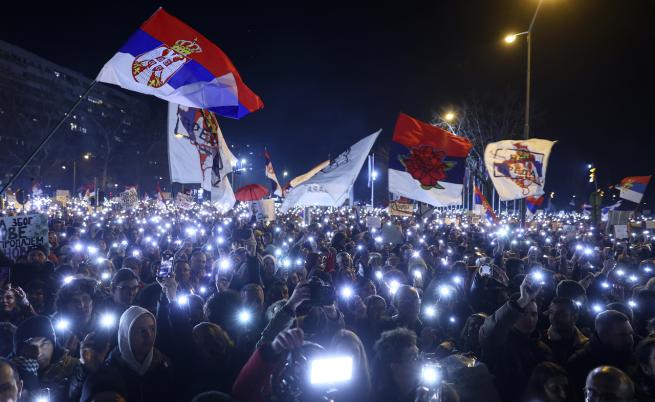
157	384
510	355
595	354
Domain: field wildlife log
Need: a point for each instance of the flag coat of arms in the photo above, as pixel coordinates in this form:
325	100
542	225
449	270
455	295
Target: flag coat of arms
427	163
481	200
169	59
518	167
534	203
633	188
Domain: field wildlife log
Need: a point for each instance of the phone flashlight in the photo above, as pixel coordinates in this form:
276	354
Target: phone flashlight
330	370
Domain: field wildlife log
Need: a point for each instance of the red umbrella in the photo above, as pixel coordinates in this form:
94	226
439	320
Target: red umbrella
251	192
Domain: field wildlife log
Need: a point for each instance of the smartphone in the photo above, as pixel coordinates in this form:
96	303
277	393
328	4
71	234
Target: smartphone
485	270
330	370
165	269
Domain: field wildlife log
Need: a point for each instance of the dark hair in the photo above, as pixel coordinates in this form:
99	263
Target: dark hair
608	318
388	347
7	331
569	288
543	371
212	396
621	308
221	309
122	275
84	285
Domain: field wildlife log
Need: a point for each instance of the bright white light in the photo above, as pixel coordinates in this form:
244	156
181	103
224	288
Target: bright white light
538	276
605	285
183	300
42	399
633	278
457	280
430	375
648	269
331	370
393	286
378	275
78	247
378	239
244	316
225	263
416	254
107	320
68	279
578	303
135	253
360	247
92	250
203	290
452	319
597	308
578	247
62	324
347	292
430	311
444	291
587	251
620	272
417	274
632	303
105	276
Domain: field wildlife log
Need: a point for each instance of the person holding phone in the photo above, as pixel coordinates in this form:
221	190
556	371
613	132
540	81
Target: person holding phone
511	346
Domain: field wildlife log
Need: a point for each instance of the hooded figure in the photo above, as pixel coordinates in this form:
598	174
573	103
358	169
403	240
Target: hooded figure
135	369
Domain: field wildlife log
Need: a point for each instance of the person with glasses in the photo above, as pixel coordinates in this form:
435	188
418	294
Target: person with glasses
609	384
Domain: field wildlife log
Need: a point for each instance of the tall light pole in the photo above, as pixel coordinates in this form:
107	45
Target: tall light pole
526	127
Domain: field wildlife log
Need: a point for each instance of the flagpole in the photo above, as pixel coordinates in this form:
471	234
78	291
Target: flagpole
47	138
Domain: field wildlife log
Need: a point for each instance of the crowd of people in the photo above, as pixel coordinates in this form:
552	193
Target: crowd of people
158	303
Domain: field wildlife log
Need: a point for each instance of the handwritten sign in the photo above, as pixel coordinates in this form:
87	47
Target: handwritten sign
373	222
19	233
401	209
621	231
184	201
129	198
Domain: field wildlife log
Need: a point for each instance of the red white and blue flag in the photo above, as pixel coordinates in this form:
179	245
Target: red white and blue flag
427	163
633	188
481	200
534	203
270	174
170	60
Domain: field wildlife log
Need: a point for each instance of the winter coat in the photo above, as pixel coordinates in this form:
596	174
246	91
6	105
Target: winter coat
510	355
562	348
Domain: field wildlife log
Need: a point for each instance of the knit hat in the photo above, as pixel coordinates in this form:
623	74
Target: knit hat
34	327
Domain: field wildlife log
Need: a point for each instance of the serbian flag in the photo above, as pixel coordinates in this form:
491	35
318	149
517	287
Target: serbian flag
481	200
427	163
533	203
170	60
633	188
270	174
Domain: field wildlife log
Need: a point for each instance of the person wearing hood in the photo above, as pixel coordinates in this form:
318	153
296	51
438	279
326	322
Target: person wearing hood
42	364
135	368
511	346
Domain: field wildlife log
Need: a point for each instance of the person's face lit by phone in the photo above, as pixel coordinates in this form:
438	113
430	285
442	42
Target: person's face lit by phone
182	271
45	350
142	336
125	292
10	389
528	321
8	301
80	306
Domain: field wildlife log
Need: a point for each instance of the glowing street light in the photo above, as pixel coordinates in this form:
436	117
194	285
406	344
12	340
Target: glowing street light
449	117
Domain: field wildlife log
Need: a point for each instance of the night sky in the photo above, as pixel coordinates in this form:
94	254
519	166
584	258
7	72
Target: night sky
330	73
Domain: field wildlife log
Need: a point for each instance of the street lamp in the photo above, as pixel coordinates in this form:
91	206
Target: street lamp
509	39
450	116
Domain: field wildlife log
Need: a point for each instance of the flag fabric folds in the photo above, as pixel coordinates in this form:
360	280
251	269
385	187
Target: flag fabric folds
331	186
197	151
270	174
518	168
481	200
427	163
298	180
534	203
633	188
170	60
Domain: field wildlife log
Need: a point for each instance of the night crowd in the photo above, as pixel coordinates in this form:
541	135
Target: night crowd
157	303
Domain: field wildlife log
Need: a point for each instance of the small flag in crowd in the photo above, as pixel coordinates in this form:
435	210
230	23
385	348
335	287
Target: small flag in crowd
633	188
480	199
518	168
270	174
170	60
534	203
427	163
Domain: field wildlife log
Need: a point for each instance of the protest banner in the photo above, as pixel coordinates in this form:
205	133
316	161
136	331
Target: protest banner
62	196
129	198
397	208
265	210
19	233
621	231
373	222
184	201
